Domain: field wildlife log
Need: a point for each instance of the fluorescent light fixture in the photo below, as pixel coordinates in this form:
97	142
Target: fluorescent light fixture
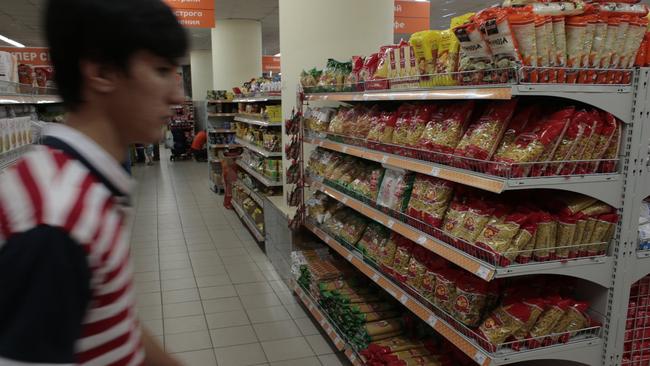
277	54
11	41
422	1
448	15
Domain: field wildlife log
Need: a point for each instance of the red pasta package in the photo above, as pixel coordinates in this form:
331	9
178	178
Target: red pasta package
547	321
429	200
503	323
445	291
361	126
500	232
536	141
446	127
475	219
382	128
470	300
588	123
404	117
576	28
481	138
522	23
599	143
568	145
421	116
503	44
609	163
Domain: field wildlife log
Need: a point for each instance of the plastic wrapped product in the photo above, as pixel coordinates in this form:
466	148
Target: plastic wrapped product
481	138
504	322
609	47
447	61
475	62
633	41
395	189
477	216
522	116
559	35
576	28
620	8
369	68
536	306
569	144
538	139
503	45
601	234
454	218
522	24
374	238
545	237
619	47
445	291
600	142
337	123
558	8
382	128
597	47
417	268
575	318
566	229
425	47
543	47
446	128
500	231
522	240
588	125
405	114
469	300
612	152
420	118
587	46
386	255
402	257
547	321
429	199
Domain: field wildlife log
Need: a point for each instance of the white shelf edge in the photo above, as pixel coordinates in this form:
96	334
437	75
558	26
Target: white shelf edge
255	121
257	149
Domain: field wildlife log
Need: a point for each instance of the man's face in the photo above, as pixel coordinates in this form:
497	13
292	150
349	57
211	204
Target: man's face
141	103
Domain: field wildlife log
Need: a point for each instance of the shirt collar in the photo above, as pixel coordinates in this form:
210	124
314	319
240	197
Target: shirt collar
88	152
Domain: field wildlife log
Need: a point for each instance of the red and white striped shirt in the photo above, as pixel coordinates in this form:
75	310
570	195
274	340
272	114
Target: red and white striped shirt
64	226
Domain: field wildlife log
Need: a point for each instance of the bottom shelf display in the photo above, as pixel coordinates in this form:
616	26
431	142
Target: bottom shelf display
636	346
362	320
250	213
500	322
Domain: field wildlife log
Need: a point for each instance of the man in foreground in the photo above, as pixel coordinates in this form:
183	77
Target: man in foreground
66	282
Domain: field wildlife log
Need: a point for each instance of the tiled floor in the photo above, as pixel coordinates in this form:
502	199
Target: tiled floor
205	288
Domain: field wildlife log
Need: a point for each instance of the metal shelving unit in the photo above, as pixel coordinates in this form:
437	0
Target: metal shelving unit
252	194
262	178
257	149
609	277
257	99
248	221
256	120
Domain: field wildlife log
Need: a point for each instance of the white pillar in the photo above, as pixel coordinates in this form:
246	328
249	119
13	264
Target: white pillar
311	31
236	52
201	69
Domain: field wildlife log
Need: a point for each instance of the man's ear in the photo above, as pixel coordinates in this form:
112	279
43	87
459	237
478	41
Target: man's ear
98	78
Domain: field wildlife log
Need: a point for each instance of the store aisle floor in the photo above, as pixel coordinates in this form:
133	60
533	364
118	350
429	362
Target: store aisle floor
205	288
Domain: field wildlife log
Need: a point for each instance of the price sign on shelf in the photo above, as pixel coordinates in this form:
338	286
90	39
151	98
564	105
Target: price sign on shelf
422	239
483	272
432	321
390	224
480	358
375	277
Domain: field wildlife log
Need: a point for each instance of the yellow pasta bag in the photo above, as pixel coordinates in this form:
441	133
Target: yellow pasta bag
461	19
447	60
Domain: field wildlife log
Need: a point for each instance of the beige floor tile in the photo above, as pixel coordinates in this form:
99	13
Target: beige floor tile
192	341
182	309
241	355
287	349
276	330
185	324
233	336
221	305
268	314
227	319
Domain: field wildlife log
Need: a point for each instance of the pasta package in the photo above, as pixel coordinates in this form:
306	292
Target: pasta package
446	128
395	189
543	47
576	29
503	46
481	138
447	61
545	237
383	127
522	24
475	55
547	321
606	58
558	8
469	300
425	47
499	232
504	322
609	165
430	198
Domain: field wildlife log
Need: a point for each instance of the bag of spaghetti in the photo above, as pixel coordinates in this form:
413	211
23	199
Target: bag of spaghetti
446	128
447	60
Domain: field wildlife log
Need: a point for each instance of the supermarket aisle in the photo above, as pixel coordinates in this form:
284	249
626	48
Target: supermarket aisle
204	286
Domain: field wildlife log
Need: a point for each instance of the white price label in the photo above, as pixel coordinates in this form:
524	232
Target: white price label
384	159
391	292
375	277
344	200
432	321
435	171
390	224
345	149
422	239
403	299
483	272
480	358
349	257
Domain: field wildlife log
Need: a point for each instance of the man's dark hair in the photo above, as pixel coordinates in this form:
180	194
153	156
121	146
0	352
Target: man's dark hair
108	32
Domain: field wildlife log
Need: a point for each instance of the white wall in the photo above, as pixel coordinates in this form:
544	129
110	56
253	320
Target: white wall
311	31
201	68
236	52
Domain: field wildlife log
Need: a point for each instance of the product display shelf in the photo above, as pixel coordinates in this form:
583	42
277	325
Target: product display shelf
29	99
256	120
587	350
248	221
616	99
261	178
319	315
257	149
257	99
281	204
595	269
605	187
255	196
221	130
219	101
222	114
224	146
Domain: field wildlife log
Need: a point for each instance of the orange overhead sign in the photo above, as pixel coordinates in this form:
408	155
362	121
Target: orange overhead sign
195	18
412	16
270	63
193	13
34	56
191	4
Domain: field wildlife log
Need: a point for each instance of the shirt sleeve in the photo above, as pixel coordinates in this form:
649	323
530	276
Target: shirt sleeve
45	291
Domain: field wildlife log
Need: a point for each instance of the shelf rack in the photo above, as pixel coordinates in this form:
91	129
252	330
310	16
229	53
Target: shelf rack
248	221
257	149
219	101
258	99
613	274
256	120
255	196
586	351
263	179
325	324
9	158
222	114
597	269
606	187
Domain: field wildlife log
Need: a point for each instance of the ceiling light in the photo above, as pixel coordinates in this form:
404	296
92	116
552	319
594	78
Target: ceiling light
277	54
11	41
448	15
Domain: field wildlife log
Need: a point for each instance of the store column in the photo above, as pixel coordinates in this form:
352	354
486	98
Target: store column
311	31
236	52
201	69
